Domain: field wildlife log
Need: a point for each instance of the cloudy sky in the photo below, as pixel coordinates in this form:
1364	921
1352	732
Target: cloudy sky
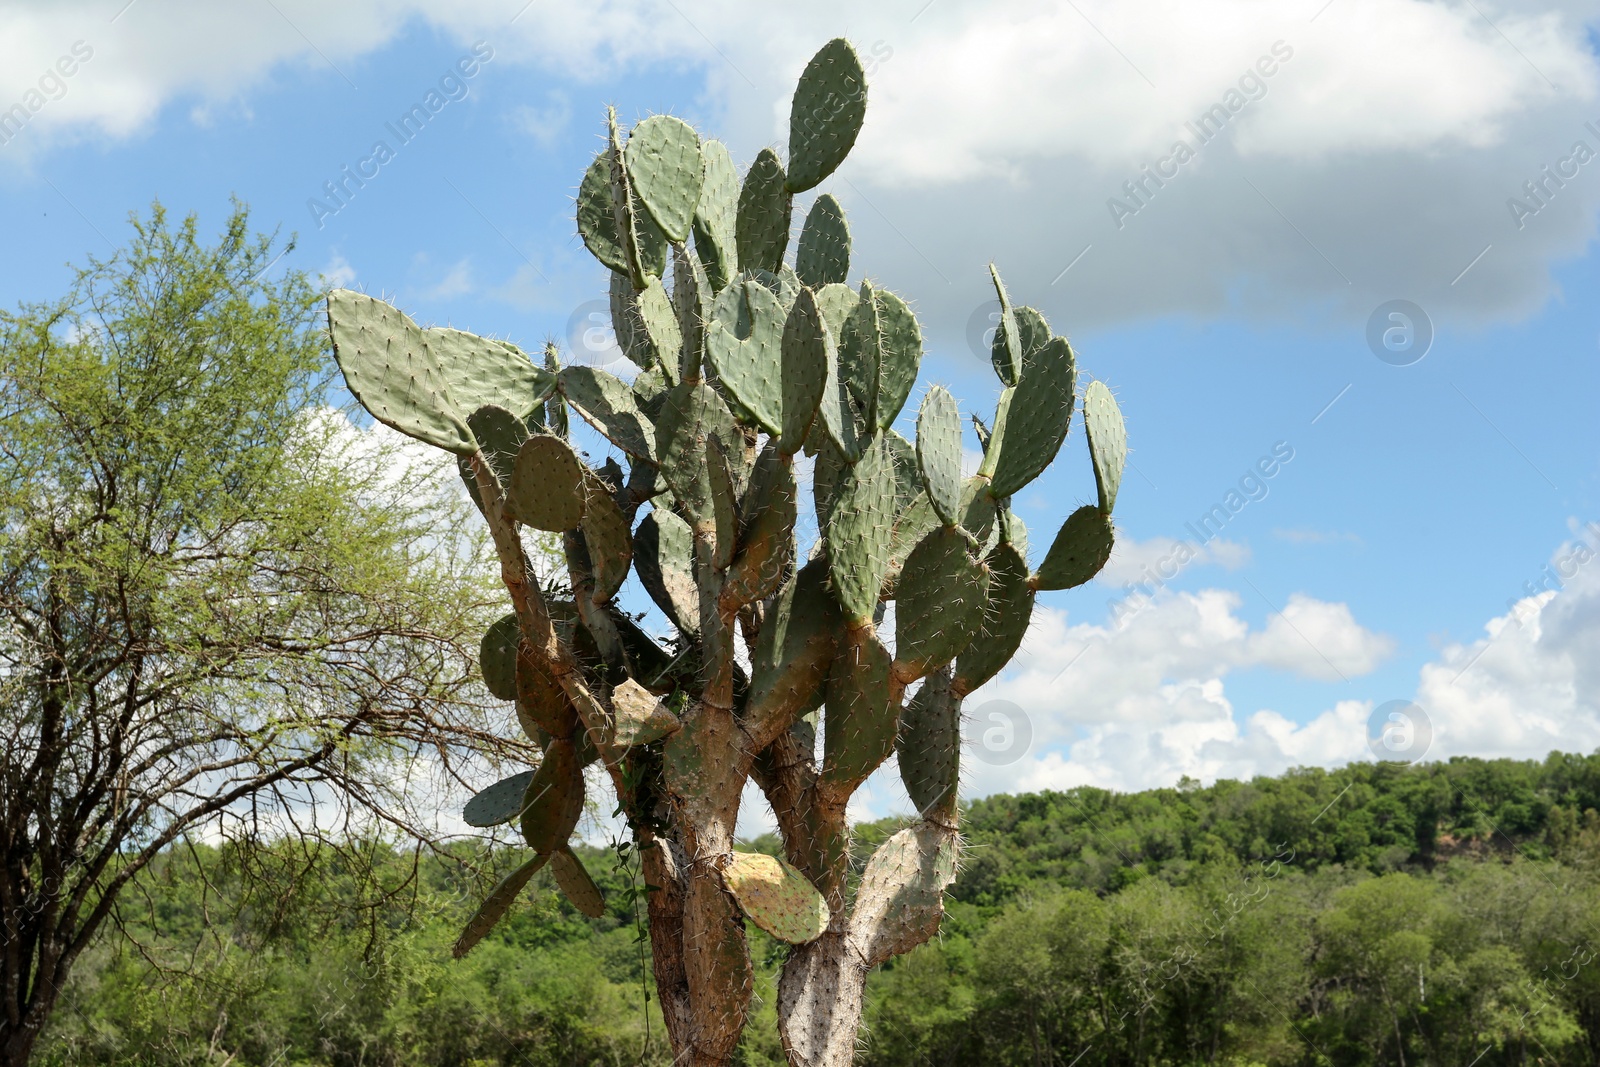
1348	241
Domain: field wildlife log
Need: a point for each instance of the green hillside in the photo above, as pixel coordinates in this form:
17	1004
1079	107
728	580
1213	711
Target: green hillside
1446	914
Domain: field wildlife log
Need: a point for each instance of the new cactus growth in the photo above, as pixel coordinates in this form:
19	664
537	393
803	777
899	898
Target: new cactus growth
746	362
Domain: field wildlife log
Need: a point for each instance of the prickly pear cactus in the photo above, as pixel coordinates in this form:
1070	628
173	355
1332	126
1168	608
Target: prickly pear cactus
751	368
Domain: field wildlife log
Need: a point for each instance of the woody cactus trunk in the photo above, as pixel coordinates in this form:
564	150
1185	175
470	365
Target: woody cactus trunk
747	361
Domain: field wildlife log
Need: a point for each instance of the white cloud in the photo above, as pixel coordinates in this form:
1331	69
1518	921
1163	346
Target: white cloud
1140	707
1318	640
1160	558
1531	684
1377	159
545	124
337	273
456	281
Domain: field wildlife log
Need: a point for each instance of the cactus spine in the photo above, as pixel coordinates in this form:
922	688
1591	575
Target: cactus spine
745	361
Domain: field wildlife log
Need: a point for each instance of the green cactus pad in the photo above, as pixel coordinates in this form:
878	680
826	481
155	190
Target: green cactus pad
939	452
1005	620
597	223
789	664
939	603
649	391
607	403
766	530
482	371
860	345
776	897
1080	549
997	433
807	353
554	800
691	298
497	657
724	503
978	511
500	435
836	302
542	705
576	885
663	557
744	346
859	729
899	354
1108	441
829	106
785	284
929	747
838	414
901	897
907	474
764	206
1013	531
823	256
1007	352
1033	331
691	414
389	365
555	419
666	170
1037	419
495	906
985	435
640	717
660	319
827	474
546	488
605	532
626	325
716	218
860	531
914	522
500	803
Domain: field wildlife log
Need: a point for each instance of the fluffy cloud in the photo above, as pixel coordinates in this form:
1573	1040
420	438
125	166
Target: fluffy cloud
1157	558
1531	684
1376	159
1139	706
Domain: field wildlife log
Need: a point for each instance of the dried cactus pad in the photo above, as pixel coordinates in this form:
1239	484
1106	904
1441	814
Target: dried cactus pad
776	897
576	884
640	717
492	910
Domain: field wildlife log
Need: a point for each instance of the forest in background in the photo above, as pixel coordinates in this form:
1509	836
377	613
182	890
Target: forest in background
1447	914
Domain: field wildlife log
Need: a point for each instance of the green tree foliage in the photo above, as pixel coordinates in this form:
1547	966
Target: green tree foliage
1479	950
206	622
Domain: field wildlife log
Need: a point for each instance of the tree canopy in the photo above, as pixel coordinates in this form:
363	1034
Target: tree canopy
219	601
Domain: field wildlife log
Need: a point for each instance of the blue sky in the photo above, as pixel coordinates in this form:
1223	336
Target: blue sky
1382	159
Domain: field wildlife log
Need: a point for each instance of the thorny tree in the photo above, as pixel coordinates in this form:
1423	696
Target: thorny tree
748	361
218	601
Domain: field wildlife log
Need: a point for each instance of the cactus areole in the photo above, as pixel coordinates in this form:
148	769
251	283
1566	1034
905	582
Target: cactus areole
745	361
